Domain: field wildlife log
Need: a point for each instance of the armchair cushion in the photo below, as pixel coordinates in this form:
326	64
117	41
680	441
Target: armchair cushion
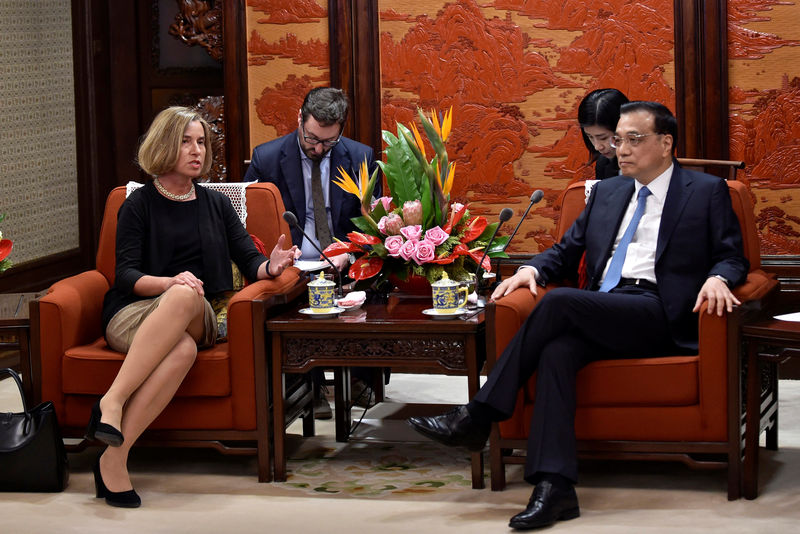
90	369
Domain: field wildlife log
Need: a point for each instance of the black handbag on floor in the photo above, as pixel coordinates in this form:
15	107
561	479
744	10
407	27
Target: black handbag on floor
32	453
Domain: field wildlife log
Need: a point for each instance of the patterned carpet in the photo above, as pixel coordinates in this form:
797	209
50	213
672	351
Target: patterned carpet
377	469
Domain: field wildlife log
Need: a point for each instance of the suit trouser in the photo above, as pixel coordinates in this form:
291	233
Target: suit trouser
568	329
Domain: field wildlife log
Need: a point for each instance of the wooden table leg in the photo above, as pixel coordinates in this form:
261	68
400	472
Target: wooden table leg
25	367
341	390
473	384
278	411
752	423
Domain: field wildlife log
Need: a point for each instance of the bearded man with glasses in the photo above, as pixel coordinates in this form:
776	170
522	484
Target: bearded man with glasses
305	162
303	165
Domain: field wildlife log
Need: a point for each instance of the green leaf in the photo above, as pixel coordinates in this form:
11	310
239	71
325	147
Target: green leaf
364	225
496	250
403	172
380	250
487	233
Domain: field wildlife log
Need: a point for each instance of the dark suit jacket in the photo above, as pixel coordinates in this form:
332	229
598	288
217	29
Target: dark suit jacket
278	161
699	236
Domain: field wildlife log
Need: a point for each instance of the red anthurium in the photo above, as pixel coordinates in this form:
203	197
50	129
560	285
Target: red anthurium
460	250
476	254
5	248
365	267
455	217
475	228
444	261
363	239
341	247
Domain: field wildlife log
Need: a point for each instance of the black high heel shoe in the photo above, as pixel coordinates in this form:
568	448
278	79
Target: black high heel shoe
102	431
120	499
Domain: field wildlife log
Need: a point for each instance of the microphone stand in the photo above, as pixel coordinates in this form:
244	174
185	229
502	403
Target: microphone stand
505	214
290	218
536	196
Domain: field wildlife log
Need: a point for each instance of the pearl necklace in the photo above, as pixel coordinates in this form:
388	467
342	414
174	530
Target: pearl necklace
172	196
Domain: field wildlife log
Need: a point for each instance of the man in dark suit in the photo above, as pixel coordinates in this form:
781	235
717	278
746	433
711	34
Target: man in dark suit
659	241
303	165
315	151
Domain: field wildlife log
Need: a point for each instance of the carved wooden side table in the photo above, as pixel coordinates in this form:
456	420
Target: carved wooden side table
767	342
15	337
393	334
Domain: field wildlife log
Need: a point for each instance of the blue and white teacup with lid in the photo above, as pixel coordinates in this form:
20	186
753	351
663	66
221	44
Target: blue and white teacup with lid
320	294
449	296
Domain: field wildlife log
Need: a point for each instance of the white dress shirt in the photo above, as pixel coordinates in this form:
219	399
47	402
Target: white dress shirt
640	260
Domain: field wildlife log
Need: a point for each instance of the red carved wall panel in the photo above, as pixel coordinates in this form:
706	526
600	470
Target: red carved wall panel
514	72
764	55
287	54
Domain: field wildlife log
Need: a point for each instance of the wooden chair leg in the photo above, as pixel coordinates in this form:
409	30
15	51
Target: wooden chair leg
378	389
772	429
496	465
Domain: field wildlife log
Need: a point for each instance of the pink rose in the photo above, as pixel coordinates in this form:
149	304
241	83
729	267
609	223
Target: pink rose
386	201
393	244
408	249
436	235
390	224
412	233
425	251
412	212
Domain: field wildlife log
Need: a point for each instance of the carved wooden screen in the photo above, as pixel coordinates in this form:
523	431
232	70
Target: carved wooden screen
764	54
287	55
514	72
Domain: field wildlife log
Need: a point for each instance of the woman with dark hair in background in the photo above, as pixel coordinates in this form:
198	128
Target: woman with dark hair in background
598	114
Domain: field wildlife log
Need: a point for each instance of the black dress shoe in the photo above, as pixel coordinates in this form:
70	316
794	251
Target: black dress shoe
455	428
102	431
120	499
547	505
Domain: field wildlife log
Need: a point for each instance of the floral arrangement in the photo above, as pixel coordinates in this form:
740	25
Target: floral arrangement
5	249
416	229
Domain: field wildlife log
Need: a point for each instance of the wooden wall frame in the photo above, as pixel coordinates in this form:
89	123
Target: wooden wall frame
355	65
234	63
701	78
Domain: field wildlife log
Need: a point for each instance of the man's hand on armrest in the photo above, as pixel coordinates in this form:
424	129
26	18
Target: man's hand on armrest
524	277
718	295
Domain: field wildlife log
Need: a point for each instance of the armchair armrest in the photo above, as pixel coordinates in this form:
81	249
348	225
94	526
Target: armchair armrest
68	315
505	316
70	312
718	345
246	337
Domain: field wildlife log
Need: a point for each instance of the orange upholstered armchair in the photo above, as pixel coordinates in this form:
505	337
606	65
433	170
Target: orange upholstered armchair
684	408
223	401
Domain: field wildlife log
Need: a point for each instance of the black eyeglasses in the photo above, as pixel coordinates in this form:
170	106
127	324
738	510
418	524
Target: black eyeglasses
632	139
313	141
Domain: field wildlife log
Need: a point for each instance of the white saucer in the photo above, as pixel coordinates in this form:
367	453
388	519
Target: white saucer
436	314
326	314
310	266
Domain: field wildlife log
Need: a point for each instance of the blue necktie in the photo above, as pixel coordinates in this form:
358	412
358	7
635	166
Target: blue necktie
615	269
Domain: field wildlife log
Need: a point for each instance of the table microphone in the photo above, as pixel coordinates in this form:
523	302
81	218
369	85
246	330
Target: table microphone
537	196
505	214
291	218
